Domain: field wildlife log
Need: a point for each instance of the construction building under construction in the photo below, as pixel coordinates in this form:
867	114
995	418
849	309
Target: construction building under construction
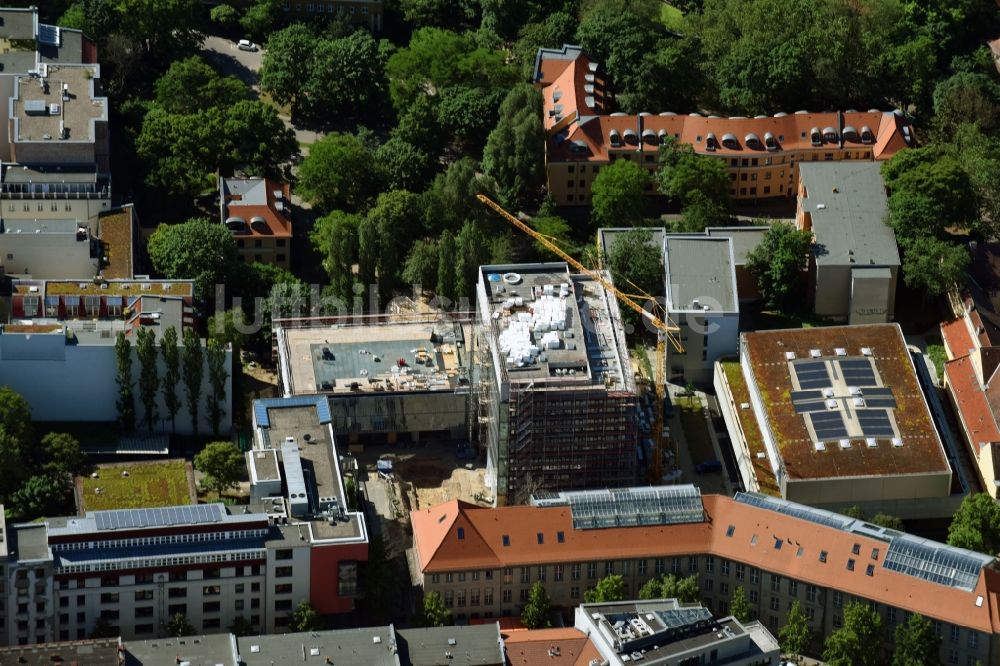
556	400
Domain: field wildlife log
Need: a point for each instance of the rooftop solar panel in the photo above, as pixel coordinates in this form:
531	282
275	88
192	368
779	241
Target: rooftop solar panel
878	391
888	403
806	395
808	407
173	515
828	425
48	34
779	505
875	423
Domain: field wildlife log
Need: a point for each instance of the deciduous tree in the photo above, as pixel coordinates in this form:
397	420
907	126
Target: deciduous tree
192	85
178	625
617	195
198	249
933	266
446	267
335	236
435	613
215	355
609	588
795	635
421	265
669	586
171	373
739	605
535	613
339	173
917	644
61	454
192	358
859	641
149	380
41	495
514	155
123	375
223	466
778	261
976	524
287	63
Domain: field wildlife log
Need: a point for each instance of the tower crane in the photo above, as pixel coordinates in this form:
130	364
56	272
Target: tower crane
665	330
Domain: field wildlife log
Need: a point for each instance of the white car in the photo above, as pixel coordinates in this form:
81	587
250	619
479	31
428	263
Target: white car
246	45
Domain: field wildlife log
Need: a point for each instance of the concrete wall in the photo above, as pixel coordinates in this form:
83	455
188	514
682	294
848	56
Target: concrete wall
85	210
54	152
277	251
281	601
861	489
701	349
76	382
871	297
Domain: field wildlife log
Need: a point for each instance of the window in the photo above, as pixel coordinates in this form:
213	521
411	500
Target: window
856	549
850	564
890	615
591	570
541	574
724	589
561	537
754	596
730	531
626	567
525	575
280	242
710	563
474	597
973	641
283	588
870	571
174	609
609	568
461	576
475	575
506	540
488	596
658	567
641	567
435	578
708	584
460	599
724	569
575	571
793	588
838	599
754	575
541	538
210	607
740	571
822	556
557	572
283	572
775	583
767	189
775	603
143	595
177	592
523	595
506	596
286	604
956	632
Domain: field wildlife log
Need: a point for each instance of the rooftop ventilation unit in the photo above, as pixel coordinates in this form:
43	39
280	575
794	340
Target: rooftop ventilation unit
789	356
815	353
820	446
871	443
840	351
845	444
897	442
866	351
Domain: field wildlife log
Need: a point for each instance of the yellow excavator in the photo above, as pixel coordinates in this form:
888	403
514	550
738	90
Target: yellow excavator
665	330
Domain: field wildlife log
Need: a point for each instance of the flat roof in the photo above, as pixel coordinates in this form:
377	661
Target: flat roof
26	227
809	381
608	236
366	646
116	229
848	206
312	435
89	652
700	274
30	542
204	650
552	328
364	357
109	287
468	645
745	239
76	111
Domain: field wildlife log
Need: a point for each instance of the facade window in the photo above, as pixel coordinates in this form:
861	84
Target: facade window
754	575
575	571
775	603
810	613
474	597
675	565
286	604
210	607
557	573
793	588
754	596
574	592
449	598
724	568
460	599
626	566
956	632
775	583
609	568
283	554
740	571
973	640
890	615
591	570
710	563
724	588
541	574
707	584
523	596
279	257
506	596
283	572
283	588
461	576
838	599
641	567
488	596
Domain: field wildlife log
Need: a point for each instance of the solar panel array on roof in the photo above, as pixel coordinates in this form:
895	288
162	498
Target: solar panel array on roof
778	505
858	372
683	617
828	425
936	562
811	374
171	515
48	34
875	423
321	403
620	507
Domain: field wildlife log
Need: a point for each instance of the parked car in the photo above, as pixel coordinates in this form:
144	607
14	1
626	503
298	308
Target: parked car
246	45
709	466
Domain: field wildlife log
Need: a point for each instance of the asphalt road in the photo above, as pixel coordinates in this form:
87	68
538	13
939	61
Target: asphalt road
244	65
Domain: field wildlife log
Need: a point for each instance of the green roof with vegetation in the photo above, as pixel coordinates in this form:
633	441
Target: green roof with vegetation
147	485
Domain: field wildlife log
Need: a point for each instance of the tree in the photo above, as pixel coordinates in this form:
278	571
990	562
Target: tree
149	382
225	15
178	625
13	463
383	237
223	465
345	77
458	14
304	618
61	454
259	19
739	605
514	155
976	525
859	641
855	512
778	261
795	635
123	375
967	97
916	644
421	265
446	267
933	266
668	586
419	126
887	521
287	63
339	172
215	355
335	236
193	371
228	327
15	416
609	588
684	172
435	613
171	373
242	627
637	264
192	85
41	495
617	195
406	166
198	249
535	613
472	250
700	212
255	139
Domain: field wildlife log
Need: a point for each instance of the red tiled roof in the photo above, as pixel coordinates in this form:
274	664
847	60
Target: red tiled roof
439	549
958	341
279	224
588	129
557	647
974	409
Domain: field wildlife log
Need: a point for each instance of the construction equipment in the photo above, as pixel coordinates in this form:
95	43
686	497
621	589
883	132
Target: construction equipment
665	330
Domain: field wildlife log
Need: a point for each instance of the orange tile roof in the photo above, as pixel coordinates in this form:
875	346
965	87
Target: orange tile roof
922	451
591	129
439	549
557	647
958	341
278	223
973	408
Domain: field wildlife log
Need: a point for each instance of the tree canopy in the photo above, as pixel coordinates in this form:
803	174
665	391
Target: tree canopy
200	249
916	644
778	262
339	173
859	641
609	588
514	155
617	195
535	613
668	586
976	524
795	635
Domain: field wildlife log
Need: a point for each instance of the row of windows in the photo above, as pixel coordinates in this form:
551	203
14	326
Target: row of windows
53	206
258	243
161	562
161	540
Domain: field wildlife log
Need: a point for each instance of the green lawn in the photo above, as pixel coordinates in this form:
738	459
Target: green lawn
147	485
672	17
